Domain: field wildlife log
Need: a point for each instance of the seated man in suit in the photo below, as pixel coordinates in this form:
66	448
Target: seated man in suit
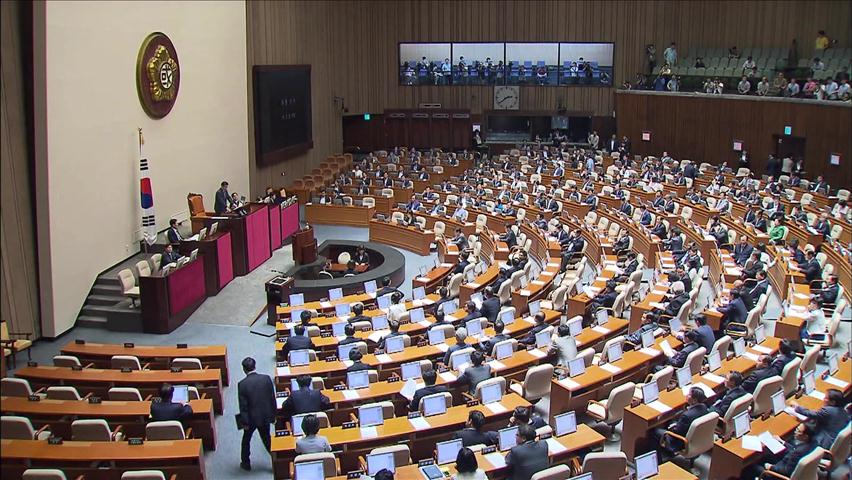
165	409
829	293
678	298
762	371
361	256
733	390
829	419
298	341
811	268
760	287
355	356
476	373
803	444
606	298
472	434
649	323
358	314
509	237
644	216
459	240
695	409
753	265
540	325
786	353
429	379
487	346
349	330
461	343
304	400
393	325
173	234
660	229
690	344
622	243
169	256
386	288
523	416
528	457
706	337
490	305
630	264
735	310
464	261
444	294
471	312
413	205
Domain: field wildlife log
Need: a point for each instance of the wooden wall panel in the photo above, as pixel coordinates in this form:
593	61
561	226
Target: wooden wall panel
702	128
19	274
353	47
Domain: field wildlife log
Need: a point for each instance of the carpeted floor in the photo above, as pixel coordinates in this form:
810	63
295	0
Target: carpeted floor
242	300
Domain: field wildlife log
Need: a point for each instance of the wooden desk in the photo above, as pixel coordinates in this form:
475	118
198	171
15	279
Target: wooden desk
99	381
249	238
408	238
167	301
352	216
176	457
584	438
214	356
670	471
730	458
215	251
132	416
790	326
422	442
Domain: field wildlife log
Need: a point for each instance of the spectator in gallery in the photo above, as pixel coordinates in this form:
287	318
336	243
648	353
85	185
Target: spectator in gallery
744	86
822	41
810	88
651	56
594	140
792	89
674	84
748	65
779	85
830	88
844	91
763	87
660	84
541	75
733	52
699	63
670	54
817	65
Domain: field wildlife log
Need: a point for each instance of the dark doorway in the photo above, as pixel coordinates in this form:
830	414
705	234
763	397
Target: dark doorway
787	146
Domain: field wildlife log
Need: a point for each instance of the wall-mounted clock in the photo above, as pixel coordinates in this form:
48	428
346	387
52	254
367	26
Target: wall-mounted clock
507	97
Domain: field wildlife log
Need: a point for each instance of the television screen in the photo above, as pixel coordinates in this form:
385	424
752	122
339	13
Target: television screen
282	111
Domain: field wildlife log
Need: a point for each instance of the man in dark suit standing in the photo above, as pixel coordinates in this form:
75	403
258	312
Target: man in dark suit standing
304	400
257	409
689	171
165	409
528	457
223	199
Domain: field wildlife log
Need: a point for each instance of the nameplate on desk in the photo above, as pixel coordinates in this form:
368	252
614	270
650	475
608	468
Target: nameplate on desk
76	368
338	388
281	364
325	334
355	475
282	433
79	341
393	379
182	345
348	425
54	440
414	415
129	345
545	436
32	364
176	369
135	441
425	463
34	398
443	369
126	370
331	358
422	343
487	450
472	403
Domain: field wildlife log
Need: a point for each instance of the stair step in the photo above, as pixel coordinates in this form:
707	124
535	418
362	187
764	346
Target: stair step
110	310
105	300
91	321
106	289
108	280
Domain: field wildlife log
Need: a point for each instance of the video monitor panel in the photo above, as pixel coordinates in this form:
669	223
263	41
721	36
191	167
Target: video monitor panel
532	63
586	64
477	64
421	63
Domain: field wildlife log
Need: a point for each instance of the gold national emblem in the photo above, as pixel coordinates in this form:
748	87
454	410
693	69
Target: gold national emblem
157	75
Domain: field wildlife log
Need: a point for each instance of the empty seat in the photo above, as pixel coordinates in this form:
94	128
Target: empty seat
128	285
94	430
165	430
143	475
125	361
63	393
43	474
187	363
16	387
124	394
13	427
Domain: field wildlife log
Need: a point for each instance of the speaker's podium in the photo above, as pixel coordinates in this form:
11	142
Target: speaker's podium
304	246
277	292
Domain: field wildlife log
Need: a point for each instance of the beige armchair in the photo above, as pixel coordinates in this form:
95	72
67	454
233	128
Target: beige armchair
699	438
611	410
